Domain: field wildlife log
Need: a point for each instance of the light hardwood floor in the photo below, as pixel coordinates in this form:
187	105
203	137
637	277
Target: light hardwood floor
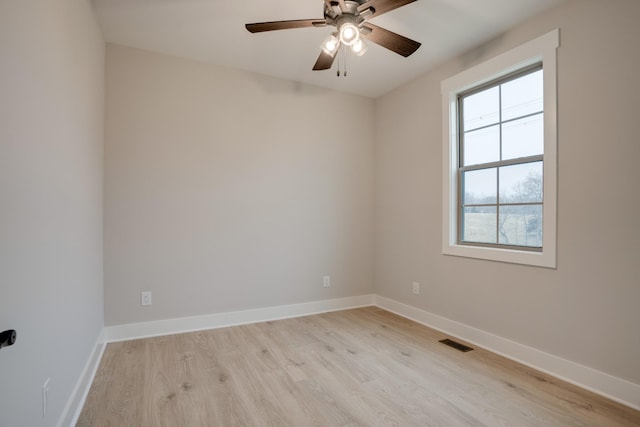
362	367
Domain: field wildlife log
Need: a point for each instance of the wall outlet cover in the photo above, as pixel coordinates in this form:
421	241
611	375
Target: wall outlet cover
145	298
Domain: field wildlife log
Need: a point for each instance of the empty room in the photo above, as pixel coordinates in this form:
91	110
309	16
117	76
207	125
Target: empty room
319	213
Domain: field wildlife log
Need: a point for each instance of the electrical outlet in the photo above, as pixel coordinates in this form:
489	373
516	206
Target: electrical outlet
326	281
145	298
416	288
45	395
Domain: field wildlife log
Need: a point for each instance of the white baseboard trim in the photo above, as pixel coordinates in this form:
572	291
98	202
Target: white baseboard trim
233	318
606	385
617	389
81	390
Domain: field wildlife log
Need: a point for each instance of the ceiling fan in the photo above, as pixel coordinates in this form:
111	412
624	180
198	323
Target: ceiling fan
350	18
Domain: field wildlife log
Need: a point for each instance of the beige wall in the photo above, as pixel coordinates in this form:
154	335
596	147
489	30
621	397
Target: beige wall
587	309
227	190
51	134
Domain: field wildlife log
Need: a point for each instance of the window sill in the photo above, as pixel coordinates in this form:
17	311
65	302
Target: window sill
545	259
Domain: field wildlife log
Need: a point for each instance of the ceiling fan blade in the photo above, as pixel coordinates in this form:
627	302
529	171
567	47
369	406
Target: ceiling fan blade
392	41
324	62
343	6
260	27
383	6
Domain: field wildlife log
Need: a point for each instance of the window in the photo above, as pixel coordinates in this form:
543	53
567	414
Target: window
499	166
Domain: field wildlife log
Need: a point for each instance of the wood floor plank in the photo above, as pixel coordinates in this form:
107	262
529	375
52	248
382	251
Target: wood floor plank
362	367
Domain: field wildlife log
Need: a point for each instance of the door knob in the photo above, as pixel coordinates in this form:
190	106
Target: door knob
7	338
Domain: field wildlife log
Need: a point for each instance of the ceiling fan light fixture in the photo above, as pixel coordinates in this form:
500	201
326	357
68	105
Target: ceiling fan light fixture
359	48
349	34
331	45
350	22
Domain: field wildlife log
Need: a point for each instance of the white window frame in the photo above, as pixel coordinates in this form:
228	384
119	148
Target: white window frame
542	49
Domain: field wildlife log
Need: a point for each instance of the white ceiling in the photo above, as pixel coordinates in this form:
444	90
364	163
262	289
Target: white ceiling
213	31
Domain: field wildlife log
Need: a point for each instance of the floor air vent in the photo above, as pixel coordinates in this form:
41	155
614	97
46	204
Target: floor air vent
456	345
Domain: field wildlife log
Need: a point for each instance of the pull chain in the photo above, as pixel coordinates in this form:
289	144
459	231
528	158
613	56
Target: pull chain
344	52
345	62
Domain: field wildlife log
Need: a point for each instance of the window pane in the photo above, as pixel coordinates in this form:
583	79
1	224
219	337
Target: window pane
521	183
521	225
524	137
482	146
480	187
481	109
522	96
479	224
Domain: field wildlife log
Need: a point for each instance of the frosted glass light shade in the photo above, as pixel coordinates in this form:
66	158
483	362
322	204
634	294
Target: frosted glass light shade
331	45
349	34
